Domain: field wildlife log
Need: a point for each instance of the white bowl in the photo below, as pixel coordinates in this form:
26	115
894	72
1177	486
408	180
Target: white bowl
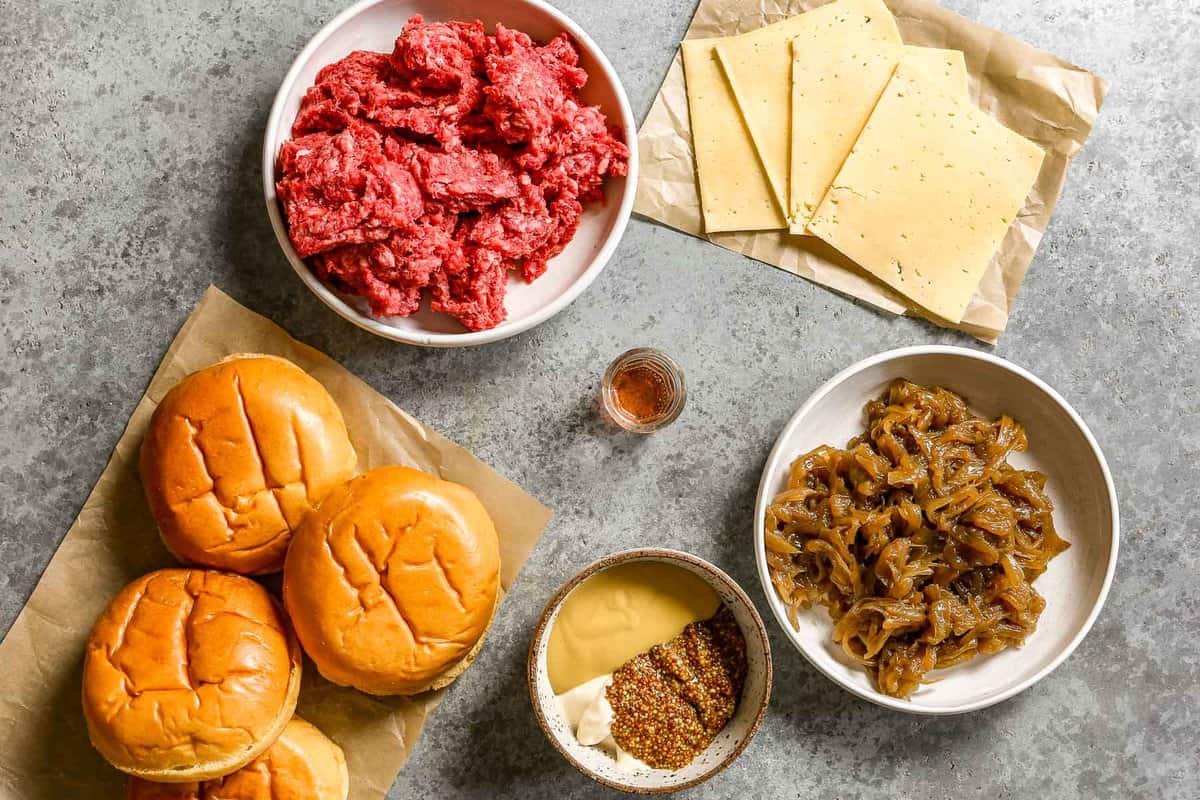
728	744
374	25
1079	484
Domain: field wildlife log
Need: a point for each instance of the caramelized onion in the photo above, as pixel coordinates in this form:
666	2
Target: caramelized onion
919	537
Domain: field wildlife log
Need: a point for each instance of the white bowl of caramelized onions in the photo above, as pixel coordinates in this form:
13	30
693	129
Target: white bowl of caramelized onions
936	529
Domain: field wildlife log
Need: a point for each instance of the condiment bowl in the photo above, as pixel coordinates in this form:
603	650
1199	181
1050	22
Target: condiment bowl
1078	483
727	746
374	25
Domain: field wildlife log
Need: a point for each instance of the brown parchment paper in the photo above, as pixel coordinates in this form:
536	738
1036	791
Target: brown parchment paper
1034	93
44	750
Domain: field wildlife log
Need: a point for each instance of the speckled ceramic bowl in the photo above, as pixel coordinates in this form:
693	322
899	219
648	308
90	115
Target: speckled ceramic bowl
729	743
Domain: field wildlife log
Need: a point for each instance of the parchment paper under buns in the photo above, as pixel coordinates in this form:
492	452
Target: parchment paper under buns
44	748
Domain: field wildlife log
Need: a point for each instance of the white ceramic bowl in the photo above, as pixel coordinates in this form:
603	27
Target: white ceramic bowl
374	25
1079	484
728	744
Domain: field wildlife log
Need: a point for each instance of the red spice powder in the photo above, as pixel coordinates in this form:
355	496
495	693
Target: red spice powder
642	392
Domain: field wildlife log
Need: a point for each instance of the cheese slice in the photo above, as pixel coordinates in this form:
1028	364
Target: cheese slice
927	193
734	193
834	88
835	85
947	68
758	65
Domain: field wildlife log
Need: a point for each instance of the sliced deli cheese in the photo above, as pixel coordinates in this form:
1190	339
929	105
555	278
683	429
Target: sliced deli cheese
734	193
835	85
834	88
927	193
948	68
758	66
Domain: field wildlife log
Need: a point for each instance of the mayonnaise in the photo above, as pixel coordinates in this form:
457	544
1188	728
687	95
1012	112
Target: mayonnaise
590	716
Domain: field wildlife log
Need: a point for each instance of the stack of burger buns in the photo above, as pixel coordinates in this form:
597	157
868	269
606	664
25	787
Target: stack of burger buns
302	763
390	580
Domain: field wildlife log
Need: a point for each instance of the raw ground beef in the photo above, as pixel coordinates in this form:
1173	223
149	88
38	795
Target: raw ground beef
444	165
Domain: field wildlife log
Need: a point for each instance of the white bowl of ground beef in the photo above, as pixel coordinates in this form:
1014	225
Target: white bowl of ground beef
421	271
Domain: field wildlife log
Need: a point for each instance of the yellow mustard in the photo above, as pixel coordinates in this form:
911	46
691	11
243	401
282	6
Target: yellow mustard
621	612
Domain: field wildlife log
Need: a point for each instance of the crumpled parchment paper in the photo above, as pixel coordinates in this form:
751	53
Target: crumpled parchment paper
1036	94
44	749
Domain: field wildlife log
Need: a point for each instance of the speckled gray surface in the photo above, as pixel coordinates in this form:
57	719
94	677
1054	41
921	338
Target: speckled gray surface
130	160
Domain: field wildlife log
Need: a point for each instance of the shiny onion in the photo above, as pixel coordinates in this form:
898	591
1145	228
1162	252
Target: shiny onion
919	537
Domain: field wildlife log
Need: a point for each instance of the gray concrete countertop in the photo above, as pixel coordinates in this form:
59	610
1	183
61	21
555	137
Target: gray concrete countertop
130	158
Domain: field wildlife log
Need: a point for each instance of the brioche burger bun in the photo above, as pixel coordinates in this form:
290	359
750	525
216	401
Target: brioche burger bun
391	583
302	764
235	455
189	675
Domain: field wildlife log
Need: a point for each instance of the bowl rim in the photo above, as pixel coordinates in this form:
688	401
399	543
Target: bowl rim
764	493
428	338
642	554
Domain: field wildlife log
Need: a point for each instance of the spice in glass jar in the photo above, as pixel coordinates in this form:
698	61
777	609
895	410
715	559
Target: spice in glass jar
643	390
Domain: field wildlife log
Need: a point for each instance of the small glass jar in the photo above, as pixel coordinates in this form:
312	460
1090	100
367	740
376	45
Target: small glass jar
643	390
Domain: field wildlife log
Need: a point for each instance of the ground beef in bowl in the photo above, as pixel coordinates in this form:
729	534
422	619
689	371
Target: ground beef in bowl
444	165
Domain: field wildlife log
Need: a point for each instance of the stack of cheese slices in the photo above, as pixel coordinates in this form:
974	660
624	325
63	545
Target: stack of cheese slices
828	125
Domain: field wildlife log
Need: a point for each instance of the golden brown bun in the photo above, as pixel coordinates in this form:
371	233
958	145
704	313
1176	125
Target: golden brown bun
303	764
235	455
188	675
392	582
